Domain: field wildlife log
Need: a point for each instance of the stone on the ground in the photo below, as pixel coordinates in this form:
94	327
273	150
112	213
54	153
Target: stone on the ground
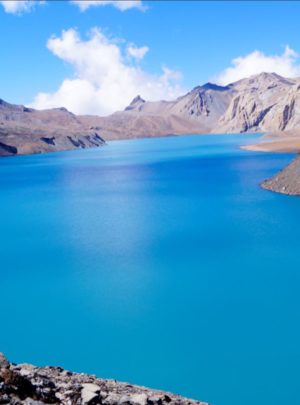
25	384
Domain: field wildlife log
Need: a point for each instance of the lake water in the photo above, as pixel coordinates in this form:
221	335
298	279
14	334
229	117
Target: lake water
159	262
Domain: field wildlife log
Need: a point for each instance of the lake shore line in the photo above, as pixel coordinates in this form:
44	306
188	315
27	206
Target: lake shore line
286	181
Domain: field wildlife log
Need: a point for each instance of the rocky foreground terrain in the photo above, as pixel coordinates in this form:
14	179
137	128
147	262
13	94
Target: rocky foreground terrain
29	385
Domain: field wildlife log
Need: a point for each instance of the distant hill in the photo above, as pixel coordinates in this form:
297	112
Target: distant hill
24	130
262	103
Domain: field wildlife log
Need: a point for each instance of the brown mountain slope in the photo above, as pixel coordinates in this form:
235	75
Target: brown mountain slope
25	130
262	103
195	112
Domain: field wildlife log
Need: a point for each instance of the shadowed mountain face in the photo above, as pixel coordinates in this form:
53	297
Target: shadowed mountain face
262	103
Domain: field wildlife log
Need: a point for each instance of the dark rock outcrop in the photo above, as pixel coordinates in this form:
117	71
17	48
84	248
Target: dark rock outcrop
49	141
24	384
7	149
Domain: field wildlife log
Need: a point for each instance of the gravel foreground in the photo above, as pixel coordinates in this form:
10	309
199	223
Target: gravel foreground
29	385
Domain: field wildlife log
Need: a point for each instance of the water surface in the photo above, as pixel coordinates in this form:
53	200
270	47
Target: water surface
159	262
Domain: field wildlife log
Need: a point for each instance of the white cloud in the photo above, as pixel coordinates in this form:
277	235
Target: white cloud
137	53
18	6
21	6
104	80
119	4
286	65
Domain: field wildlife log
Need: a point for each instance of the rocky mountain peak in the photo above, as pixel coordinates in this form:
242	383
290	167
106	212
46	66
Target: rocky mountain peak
4	104
137	101
262	81
209	86
215	87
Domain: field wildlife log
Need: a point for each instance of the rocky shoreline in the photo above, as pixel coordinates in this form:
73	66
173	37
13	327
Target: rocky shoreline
287	181
29	385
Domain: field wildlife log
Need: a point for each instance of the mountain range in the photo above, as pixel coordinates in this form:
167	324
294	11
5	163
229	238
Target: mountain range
265	102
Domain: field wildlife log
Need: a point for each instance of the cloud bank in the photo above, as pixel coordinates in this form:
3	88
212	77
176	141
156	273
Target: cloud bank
137	53
104	80
122	5
286	65
18	6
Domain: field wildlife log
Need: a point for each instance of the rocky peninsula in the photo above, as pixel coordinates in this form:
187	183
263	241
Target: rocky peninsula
287	181
29	385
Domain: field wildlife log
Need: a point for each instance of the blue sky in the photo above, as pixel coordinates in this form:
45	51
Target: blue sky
174	47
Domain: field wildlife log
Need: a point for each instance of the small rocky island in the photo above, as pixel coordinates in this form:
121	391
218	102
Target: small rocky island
30	385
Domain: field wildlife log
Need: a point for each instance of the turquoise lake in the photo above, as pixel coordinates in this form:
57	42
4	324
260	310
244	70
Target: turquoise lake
159	262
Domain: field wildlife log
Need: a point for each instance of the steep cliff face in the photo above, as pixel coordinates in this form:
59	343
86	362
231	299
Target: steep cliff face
265	102
205	103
